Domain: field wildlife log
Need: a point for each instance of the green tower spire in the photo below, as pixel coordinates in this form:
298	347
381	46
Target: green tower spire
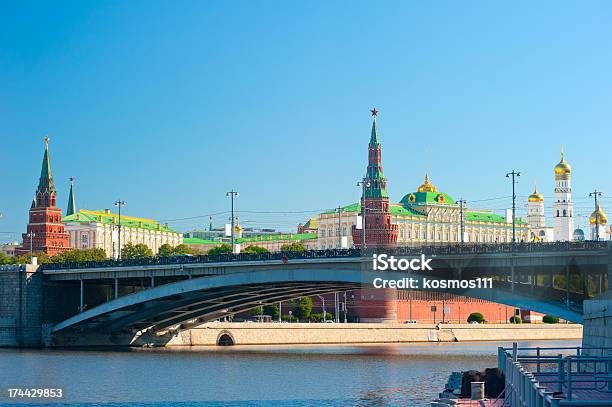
376	178
71	208
45	183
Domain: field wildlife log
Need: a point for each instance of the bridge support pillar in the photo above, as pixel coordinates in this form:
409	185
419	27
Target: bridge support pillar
152	281
116	288
82	289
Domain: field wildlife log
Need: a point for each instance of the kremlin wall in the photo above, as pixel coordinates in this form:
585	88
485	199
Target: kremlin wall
426	216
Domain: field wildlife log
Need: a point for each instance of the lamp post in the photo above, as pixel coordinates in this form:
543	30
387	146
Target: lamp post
119	203
323	302
339	209
514	174
232	194
31	235
595	194
364	183
461	203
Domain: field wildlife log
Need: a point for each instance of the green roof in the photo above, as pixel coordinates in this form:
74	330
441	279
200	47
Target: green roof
106	218
394	209
439	198
195	240
490	217
271	238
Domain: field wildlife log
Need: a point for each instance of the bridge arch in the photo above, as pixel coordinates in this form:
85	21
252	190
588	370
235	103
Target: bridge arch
188	303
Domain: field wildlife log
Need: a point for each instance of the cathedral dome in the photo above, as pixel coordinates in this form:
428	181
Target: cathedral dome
536	196
598	213
563	169
427	186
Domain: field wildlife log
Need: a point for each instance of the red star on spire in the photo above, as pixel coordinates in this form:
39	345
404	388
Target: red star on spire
374	112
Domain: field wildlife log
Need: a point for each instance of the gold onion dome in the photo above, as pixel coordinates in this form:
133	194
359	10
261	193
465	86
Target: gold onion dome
598	216
536	196
427	186
563	169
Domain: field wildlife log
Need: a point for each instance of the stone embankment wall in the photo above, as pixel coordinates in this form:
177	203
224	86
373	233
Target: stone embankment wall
280	334
21	296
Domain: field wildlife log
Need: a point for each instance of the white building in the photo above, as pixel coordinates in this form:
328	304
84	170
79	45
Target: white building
426	217
99	229
537	219
563	207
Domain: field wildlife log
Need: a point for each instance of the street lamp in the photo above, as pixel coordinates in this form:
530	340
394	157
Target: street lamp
461	203
595	194
232	194
31	235
119	203
364	183
323	302
514	174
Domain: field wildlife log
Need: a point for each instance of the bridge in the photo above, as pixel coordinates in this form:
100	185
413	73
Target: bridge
176	293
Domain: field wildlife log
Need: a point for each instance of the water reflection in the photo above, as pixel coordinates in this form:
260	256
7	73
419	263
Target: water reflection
302	375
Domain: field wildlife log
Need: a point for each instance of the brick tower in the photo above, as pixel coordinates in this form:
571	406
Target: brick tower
379	231
45	230
375	305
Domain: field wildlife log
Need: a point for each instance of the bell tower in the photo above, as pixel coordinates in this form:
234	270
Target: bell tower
563	207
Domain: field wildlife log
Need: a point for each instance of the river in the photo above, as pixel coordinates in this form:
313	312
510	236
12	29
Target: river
364	375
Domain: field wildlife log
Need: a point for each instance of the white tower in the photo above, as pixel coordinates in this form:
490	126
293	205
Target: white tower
563	207
535	215
598	221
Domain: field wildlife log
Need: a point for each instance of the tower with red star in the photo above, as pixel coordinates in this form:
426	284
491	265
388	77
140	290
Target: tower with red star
45	231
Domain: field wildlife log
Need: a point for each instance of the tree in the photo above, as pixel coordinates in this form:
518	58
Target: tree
549	319
258	310
303	308
255	249
165	250
136	251
80	255
476	317
293	247
516	320
182	249
4	259
272	310
222	249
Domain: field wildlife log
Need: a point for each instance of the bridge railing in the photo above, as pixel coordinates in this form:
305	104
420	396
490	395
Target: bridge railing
545	376
429	250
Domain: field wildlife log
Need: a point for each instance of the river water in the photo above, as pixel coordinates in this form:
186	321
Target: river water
364	375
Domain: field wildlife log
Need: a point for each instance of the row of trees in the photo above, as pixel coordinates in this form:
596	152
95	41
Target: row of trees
132	251
478	317
301	311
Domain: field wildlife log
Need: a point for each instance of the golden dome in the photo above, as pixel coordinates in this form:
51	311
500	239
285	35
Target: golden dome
563	169
427	186
536	196
598	213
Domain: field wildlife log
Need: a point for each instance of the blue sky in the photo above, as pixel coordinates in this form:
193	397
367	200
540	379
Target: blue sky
169	105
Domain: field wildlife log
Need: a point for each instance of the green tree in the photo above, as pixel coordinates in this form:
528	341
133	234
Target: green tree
272	310
136	251
80	255
477	317
549	319
292	247
165	250
182	249
224	248
258	310
303	308
516	320
4	259
255	249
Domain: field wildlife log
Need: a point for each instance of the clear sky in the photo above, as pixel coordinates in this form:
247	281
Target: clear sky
168	105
